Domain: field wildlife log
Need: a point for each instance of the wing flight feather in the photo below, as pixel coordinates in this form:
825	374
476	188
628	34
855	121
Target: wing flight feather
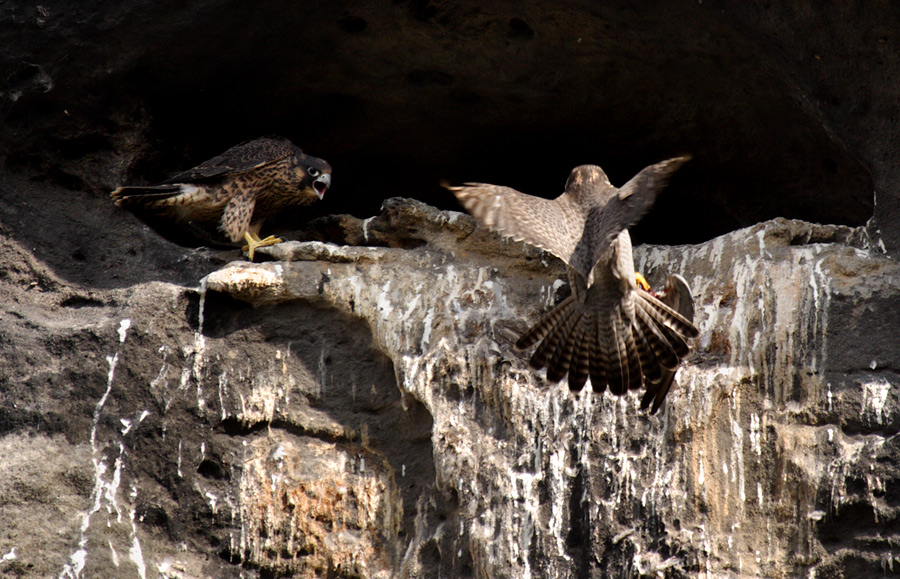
543	223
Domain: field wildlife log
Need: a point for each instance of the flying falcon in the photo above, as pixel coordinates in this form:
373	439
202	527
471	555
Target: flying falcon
235	191
610	329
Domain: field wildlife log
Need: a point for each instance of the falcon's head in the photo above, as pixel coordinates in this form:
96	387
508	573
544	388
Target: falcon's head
586	180
314	174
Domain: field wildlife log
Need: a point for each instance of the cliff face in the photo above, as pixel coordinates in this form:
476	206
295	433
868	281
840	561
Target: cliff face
787	111
359	411
353	407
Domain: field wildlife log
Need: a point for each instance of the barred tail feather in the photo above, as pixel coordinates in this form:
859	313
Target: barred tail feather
664	315
632	357
617	370
581	358
676	341
664	352
599	357
540	330
562	359
656	392
554	335
558	362
144	196
677	295
613	349
649	364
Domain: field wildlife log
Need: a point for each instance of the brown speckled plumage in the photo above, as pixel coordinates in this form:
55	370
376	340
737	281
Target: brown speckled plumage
236	190
609	329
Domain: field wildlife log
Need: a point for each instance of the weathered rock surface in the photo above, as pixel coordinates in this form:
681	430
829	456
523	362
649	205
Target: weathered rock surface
788	111
354	408
359	412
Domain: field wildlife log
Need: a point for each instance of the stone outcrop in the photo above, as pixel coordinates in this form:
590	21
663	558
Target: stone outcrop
788	111
359	411
353	407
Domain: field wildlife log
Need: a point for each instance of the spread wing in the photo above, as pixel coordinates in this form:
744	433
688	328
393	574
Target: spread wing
624	209
552	225
238	159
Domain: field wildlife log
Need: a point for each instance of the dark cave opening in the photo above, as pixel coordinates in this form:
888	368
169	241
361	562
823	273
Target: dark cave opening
398	97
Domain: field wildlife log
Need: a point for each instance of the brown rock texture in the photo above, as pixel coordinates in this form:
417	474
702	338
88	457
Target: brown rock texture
358	411
353	406
787	111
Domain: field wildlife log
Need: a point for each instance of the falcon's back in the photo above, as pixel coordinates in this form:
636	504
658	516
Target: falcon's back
240	158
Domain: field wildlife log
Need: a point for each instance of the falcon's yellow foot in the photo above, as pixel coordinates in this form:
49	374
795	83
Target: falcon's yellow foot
640	281
253	241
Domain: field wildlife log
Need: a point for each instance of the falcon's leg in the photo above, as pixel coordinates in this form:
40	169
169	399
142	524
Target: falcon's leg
253	242
641	282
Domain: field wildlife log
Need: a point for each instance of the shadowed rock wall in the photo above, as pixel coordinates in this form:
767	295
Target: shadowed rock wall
356	410
366	416
399	96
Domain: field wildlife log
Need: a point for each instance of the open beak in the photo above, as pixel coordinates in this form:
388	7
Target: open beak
321	185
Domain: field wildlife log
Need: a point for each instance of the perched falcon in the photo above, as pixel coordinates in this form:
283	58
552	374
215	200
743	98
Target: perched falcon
235	191
609	329
676	295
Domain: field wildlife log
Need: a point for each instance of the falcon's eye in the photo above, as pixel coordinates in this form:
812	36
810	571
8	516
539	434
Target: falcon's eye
313	172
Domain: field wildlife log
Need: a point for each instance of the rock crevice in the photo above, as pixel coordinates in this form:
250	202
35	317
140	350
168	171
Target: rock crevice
359	410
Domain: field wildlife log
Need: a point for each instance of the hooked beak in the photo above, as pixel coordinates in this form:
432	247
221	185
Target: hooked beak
321	185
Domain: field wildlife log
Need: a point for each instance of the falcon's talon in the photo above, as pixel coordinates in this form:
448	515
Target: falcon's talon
641	281
254	242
